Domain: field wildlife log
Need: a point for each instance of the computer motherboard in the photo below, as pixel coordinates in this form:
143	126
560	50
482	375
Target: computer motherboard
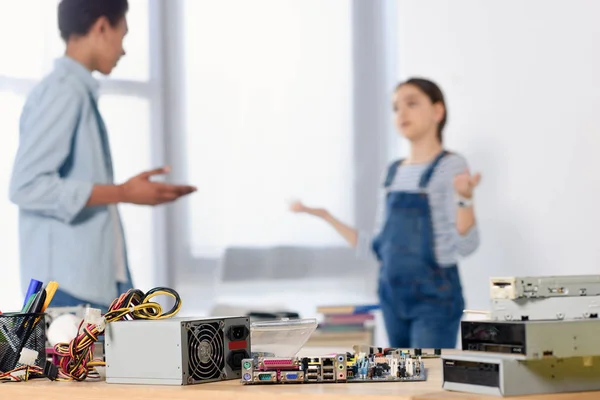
381	365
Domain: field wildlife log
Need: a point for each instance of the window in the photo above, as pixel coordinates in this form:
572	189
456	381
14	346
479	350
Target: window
30	21
130	91
269	117
10	293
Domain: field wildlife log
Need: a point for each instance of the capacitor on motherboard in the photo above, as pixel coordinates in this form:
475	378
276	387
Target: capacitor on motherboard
402	372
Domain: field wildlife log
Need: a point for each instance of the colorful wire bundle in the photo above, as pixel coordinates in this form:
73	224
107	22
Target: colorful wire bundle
136	305
16	376
27	372
77	357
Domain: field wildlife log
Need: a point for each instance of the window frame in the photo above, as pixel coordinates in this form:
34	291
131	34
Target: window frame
165	90
371	23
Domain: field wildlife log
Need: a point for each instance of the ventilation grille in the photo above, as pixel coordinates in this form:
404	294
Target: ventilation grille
206	351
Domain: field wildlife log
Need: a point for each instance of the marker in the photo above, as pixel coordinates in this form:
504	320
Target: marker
28	303
33	306
34	287
38	303
50	291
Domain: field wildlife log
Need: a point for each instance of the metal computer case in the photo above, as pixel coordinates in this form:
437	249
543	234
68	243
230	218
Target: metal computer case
503	375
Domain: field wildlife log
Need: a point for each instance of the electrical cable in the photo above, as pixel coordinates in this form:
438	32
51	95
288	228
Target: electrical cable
77	357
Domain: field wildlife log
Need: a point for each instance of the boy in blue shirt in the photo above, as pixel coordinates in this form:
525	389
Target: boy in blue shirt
62	180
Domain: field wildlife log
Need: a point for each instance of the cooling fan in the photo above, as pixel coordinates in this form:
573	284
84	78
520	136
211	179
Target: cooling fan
176	351
206	352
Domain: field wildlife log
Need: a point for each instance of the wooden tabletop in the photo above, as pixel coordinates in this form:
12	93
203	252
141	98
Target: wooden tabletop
234	390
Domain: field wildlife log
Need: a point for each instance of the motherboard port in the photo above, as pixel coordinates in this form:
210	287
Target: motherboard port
327	362
265	376
329	377
286	363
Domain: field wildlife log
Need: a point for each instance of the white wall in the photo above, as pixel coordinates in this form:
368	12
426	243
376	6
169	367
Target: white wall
522	79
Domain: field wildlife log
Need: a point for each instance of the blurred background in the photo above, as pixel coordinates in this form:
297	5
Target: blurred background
256	102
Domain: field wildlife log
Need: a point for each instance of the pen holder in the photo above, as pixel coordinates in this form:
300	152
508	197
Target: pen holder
19	331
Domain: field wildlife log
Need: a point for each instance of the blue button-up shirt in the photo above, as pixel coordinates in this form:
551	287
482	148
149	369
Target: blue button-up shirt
63	151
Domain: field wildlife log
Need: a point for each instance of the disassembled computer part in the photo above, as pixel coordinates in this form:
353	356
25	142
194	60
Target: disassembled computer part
281	338
176	351
549	308
544	286
391	366
533	339
541	337
503	375
412	352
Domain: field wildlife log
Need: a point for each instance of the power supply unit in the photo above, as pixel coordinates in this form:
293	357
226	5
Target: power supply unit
176	351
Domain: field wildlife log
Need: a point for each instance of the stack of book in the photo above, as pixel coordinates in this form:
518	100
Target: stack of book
344	326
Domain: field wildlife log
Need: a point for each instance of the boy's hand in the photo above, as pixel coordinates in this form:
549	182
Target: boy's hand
141	190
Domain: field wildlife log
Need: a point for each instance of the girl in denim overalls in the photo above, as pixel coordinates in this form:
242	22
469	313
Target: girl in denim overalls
426	222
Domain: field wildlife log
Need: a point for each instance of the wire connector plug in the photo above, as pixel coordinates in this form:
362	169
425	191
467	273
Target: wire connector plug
51	371
93	316
28	357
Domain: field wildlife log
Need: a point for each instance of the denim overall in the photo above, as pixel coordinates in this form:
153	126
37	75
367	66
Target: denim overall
421	301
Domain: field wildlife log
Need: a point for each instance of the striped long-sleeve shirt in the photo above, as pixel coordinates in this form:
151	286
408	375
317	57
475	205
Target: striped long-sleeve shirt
449	244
